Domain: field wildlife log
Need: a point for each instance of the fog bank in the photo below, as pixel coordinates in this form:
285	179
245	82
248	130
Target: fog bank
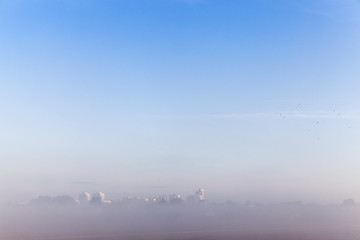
180	221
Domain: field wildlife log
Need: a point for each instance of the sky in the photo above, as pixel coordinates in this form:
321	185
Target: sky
252	100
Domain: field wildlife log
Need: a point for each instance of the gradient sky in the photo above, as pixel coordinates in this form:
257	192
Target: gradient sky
252	100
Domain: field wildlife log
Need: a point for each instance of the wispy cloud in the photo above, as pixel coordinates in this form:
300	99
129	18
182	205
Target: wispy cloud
292	114
321	114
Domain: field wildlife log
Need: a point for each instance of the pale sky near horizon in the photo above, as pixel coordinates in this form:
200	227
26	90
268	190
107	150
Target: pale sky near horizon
252	100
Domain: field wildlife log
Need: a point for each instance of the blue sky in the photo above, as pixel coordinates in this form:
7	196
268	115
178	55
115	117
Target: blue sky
141	97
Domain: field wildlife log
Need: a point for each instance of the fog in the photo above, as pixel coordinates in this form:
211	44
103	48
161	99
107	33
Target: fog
65	218
254	100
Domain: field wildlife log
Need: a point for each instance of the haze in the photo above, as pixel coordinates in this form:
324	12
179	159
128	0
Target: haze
252	100
171	217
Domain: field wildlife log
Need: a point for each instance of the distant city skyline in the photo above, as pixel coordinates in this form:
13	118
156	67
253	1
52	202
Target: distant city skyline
175	198
98	198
